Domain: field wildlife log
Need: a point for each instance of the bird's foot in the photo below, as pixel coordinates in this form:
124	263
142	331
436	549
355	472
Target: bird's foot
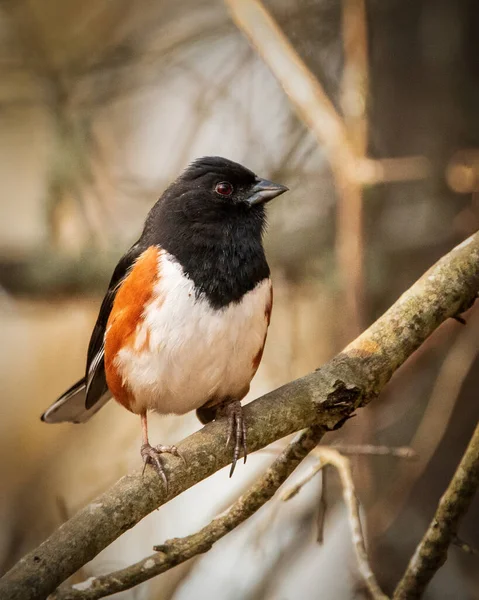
151	454
236	431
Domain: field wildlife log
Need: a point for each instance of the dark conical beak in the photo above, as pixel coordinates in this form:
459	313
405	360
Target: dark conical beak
264	191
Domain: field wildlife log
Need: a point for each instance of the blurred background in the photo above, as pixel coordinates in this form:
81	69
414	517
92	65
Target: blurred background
101	105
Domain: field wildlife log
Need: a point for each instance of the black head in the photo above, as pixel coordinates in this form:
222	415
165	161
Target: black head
214	190
227	184
211	219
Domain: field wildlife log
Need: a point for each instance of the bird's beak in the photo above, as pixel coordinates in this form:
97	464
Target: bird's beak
264	191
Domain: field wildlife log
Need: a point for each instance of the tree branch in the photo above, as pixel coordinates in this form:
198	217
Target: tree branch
46	274
326	398
431	553
464	546
178	550
372	450
330	456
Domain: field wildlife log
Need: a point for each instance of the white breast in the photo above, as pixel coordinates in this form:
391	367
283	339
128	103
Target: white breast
186	352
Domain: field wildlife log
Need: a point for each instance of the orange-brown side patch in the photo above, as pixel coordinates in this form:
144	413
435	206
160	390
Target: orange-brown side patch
127	312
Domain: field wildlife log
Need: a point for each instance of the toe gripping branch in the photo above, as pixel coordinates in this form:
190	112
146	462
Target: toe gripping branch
236	432
151	454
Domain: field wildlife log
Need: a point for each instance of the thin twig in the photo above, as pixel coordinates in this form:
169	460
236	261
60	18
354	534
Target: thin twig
330	456
297	487
176	551
342	464
361	449
323	506
371	450
464	546
431	553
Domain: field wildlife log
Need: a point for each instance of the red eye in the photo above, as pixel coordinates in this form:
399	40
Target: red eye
224	188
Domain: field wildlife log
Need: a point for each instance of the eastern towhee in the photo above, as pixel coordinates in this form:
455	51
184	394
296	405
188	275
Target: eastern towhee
183	324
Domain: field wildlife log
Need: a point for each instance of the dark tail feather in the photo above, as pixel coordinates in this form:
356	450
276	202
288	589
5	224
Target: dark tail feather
70	407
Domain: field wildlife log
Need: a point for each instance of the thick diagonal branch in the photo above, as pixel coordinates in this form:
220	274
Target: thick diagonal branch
326	397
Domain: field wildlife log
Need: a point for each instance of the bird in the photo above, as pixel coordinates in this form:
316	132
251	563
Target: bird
183	323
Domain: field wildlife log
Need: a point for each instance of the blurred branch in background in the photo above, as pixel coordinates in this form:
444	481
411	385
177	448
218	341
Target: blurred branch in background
462	171
431	553
330	456
77	160
74	85
433	425
49	274
325	399
350	211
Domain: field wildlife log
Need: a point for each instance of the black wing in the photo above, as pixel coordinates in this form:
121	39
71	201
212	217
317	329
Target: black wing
70	407
95	378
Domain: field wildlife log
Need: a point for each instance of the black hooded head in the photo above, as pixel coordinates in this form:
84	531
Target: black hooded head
211	219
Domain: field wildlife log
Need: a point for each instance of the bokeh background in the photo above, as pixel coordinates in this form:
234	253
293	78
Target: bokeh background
101	105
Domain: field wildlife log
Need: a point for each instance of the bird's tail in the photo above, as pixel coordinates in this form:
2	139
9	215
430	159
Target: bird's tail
70	406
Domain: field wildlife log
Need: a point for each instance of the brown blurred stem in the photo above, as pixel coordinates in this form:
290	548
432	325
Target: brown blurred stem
431	553
323	506
325	398
371	450
349	226
365	450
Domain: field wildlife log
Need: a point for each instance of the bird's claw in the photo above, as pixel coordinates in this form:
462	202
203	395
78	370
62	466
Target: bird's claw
236	431
151	454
